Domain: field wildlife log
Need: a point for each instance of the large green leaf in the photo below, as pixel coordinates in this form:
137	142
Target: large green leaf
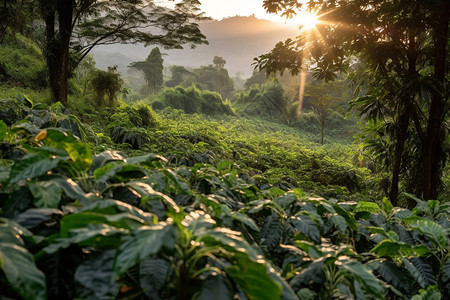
21	272
370	207
11	232
428	228
252	278
83	219
95	277
229	240
145	241
112	207
146	160
421	271
307	226
153	273
31	166
47	194
394	275
81	155
99	236
216	287
272	231
370	284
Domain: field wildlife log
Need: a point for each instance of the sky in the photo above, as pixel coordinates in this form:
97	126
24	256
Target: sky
219	9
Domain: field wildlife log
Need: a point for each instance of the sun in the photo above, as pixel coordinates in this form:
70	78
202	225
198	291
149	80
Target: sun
307	20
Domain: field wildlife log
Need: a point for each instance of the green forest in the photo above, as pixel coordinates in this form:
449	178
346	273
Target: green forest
323	175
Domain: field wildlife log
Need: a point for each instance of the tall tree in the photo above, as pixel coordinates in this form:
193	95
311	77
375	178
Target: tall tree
75	27
219	62
403	48
152	68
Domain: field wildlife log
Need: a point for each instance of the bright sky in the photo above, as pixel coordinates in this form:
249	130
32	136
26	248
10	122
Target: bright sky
219	9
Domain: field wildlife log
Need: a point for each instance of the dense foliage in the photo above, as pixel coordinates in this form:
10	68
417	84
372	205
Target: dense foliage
396	53
79	224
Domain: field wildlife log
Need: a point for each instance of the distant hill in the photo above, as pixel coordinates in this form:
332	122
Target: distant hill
238	40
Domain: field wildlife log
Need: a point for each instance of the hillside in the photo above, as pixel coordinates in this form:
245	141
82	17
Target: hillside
238	40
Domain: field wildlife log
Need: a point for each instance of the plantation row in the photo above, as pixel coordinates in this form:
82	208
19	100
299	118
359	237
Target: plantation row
102	225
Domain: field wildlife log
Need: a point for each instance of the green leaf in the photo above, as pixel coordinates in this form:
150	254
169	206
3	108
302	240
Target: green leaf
272	231
216	287
112	207
431	293
370	207
99	236
21	272
153	275
95	277
340	223
147	240
228	239
370	284
47	194
252	278
83	219
81	155
386	206
197	221
389	248
146	160
394	275
428	228
3	130
245	220
421	271
11	232
351	221
446	271
307	226
31	166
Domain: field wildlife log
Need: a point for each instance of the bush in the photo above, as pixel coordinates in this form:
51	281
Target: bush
266	100
192	100
148	116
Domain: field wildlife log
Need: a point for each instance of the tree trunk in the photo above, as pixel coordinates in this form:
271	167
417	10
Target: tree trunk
402	135
433	159
57	47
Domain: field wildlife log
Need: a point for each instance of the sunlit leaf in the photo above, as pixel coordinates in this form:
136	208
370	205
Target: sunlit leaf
18	266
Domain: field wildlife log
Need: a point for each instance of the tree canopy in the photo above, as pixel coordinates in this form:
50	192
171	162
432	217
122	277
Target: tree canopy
75	27
152	68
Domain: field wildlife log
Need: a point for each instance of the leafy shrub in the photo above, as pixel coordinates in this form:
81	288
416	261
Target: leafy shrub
192	100
148	116
106	86
266	100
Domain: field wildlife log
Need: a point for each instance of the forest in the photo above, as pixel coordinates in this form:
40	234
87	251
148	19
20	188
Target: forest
322	175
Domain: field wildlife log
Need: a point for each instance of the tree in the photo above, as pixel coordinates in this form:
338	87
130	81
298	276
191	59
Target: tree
75	27
216	80
152	68
106	86
17	16
322	103
257	77
219	62
399	51
180	76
